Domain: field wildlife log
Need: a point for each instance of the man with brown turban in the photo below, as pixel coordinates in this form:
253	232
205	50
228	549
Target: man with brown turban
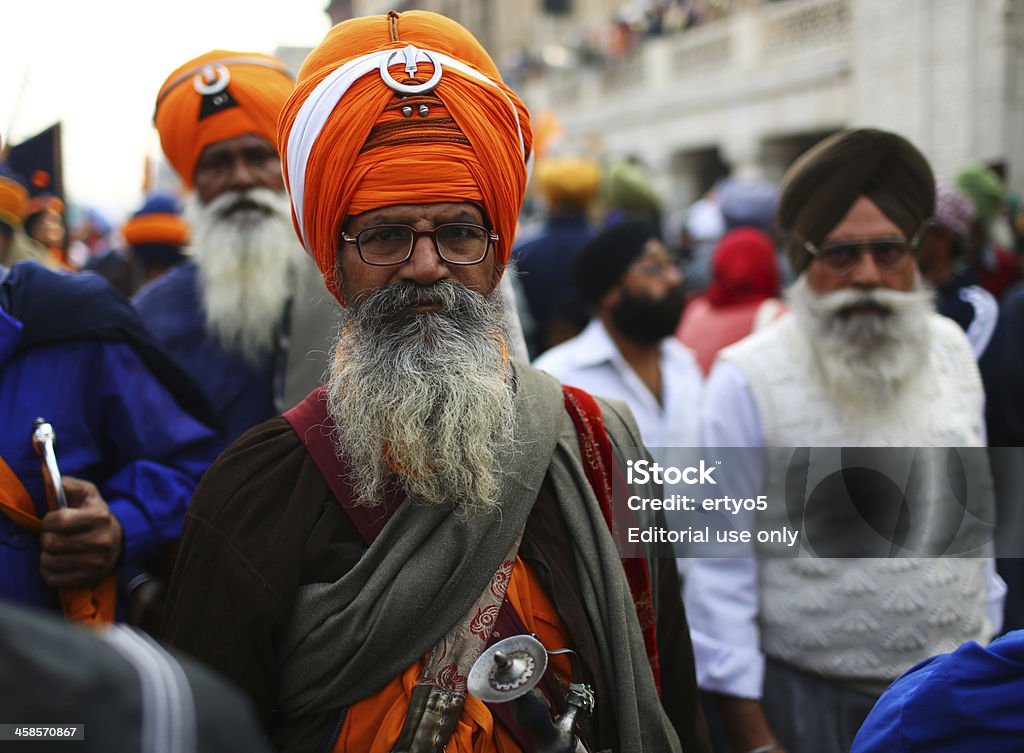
247	315
347	563
794	650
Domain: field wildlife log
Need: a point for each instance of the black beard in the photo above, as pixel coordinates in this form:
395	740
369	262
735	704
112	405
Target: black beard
649	320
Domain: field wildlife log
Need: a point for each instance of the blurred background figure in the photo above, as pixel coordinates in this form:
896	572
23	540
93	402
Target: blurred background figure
44	224
15	244
743	295
702	228
735	203
545	252
156	235
89	237
989	252
628	192
634	287
943	263
103	252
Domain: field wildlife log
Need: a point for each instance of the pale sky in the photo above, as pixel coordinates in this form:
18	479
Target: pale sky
96	66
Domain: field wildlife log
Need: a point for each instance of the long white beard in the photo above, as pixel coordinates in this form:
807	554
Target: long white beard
247	264
866	358
424	399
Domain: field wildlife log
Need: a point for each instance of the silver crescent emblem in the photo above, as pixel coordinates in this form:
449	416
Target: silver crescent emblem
413	57
213	79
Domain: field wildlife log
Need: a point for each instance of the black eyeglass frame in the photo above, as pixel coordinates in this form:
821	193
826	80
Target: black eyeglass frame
865	243
491	239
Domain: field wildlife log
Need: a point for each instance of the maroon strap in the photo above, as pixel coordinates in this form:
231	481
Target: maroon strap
605	477
314	426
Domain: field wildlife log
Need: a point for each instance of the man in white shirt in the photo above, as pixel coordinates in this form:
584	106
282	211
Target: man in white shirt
635	289
794	651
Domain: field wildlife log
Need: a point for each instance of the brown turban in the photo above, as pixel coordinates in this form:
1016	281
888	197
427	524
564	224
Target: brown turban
820	187
218	96
401	109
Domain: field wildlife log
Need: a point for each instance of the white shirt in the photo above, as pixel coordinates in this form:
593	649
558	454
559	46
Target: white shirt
722	601
591	362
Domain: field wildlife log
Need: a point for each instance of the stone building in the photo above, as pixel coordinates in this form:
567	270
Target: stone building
697	89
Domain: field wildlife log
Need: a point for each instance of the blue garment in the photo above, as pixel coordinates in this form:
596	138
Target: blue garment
241	393
967	701
544	256
117	425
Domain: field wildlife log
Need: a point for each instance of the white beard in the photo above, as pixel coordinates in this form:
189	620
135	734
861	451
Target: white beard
425	399
866	358
247	265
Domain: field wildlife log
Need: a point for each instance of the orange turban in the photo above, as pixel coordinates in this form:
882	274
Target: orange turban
13	202
401	109
218	96
167	229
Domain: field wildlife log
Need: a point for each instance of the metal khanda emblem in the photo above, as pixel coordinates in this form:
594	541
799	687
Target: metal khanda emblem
413	56
212	79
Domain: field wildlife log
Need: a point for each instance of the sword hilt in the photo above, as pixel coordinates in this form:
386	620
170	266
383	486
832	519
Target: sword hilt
44	440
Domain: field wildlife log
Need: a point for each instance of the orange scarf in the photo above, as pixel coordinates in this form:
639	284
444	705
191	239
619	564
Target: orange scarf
89	606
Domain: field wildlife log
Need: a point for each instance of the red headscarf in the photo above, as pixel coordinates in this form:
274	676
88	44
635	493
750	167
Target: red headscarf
218	96
401	109
744	268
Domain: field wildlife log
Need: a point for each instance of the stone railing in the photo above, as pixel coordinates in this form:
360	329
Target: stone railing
798	26
766	35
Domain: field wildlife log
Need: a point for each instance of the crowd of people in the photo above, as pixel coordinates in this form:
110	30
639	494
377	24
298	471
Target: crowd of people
331	427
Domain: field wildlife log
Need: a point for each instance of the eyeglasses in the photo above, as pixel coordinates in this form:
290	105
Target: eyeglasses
460	243
840	257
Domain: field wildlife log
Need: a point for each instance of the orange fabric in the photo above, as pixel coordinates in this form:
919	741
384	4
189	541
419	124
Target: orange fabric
13	202
373	724
46	203
259	83
350	168
156	228
89	606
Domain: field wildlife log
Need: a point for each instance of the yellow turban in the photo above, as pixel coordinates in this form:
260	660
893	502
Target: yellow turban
218	96
568	181
401	109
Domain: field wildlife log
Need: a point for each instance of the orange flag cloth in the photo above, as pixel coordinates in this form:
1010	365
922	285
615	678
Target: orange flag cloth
13	202
218	96
89	606
401	109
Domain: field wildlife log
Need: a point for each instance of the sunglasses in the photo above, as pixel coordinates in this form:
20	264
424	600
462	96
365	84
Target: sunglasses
890	254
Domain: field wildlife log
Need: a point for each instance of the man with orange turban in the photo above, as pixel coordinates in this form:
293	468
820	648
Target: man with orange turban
242	315
156	234
349	563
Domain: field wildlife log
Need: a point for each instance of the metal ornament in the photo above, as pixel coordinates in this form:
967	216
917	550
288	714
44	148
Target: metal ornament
218	77
413	56
407	111
507	670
